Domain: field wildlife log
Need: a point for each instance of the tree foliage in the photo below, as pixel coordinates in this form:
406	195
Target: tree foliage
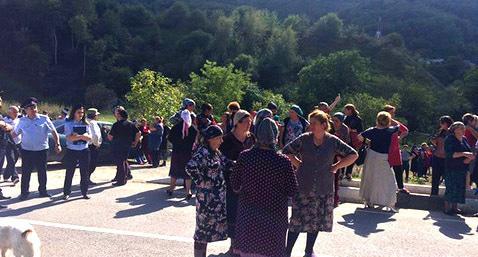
218	85
327	76
153	94
300	51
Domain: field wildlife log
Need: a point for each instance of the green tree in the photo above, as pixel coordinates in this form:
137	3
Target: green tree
218	85
369	105
99	96
324	35
280	61
153	94
327	76
256	98
470	87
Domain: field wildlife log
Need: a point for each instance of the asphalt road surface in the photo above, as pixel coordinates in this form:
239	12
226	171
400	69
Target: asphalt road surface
140	220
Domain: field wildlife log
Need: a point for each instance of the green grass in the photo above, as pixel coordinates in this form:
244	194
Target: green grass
106	116
55	109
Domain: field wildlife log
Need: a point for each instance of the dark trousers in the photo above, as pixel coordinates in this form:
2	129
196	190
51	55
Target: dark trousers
406	168
3	152
72	159
94	151
336	187
349	170
438	173
122	166
32	160
11	155
155	157
398	175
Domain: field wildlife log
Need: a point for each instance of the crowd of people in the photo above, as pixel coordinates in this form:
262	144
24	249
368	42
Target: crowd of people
245	168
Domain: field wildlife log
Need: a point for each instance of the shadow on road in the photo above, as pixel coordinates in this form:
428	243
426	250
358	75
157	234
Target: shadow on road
453	227
56	200
149	202
365	222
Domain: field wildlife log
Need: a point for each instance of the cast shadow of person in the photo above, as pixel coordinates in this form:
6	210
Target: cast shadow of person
453	227
365	222
56	199
148	202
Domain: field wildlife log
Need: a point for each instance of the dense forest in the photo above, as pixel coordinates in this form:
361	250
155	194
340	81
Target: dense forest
419	55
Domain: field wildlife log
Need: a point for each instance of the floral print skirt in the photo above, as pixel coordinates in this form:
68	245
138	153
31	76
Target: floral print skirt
312	212
211	220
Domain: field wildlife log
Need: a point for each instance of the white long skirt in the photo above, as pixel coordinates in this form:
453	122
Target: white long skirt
378	185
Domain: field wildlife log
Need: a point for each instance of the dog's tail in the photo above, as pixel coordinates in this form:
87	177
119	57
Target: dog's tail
26	232
33	242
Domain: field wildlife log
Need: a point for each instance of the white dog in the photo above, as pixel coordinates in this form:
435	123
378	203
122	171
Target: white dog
20	237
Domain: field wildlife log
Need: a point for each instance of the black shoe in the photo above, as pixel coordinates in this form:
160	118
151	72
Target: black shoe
86	197
118	184
188	197
114	180
169	192
162	164
449	212
66	197
44	195
91	183
23	197
3	207
130	177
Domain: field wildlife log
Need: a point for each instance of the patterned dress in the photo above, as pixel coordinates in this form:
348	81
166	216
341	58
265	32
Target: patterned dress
455	169
206	169
313	205
264	180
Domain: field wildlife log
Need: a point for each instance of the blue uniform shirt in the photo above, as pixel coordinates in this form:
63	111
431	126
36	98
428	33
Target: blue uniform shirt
79	128
35	132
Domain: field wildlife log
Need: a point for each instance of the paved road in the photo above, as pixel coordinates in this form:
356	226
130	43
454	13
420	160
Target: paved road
139	220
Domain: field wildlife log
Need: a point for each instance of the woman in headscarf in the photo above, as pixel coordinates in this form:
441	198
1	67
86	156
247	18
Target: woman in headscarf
342	132
378	185
236	141
188	105
458	157
261	115
182	136
314	155
206	169
264	180
294	125
355	124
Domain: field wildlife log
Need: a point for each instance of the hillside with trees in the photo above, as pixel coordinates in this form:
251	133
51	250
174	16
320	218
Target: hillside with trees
306	51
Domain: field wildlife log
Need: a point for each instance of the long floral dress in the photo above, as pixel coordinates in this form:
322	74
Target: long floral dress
206	169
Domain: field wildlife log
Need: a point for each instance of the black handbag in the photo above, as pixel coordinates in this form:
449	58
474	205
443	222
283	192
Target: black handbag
362	154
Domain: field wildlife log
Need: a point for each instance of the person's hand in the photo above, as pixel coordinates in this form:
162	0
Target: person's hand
468	155
297	165
338	97
334	168
57	148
